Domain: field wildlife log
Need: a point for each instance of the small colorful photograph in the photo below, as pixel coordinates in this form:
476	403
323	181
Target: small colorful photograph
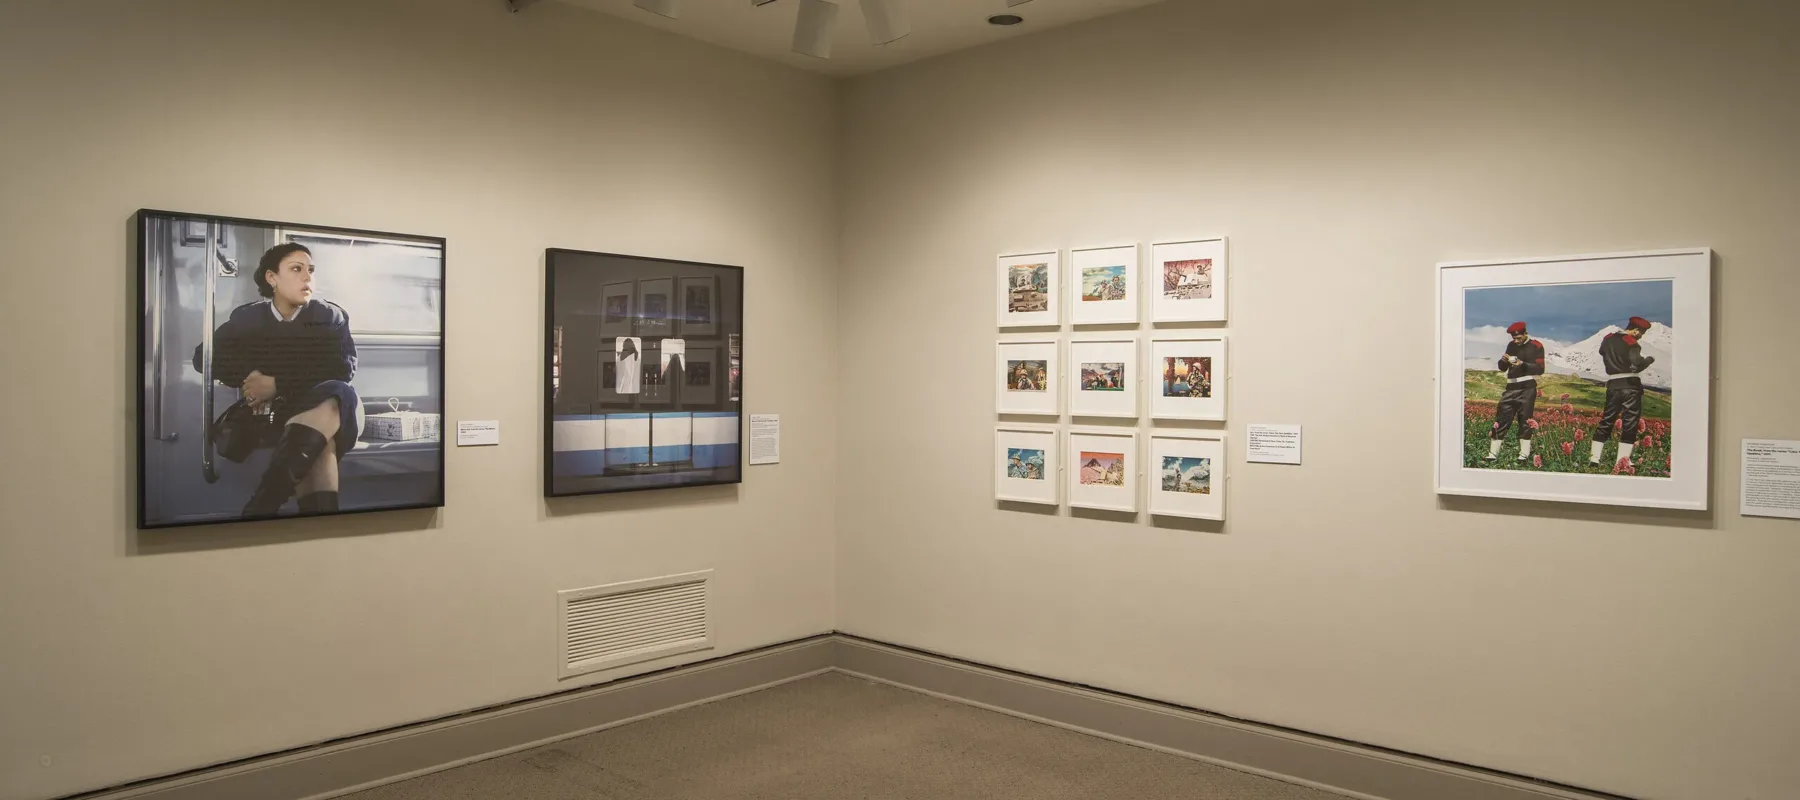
1103	376
656	306
618	307
1187	280
697	304
1187	376
699	374
1570	377
1030	288
1102	284
1024	464
1028	375
1102	469
1187	475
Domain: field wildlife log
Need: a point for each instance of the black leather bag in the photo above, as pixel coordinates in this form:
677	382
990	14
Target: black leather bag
239	430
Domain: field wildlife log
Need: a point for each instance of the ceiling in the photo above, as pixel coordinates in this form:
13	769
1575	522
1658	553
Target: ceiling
938	26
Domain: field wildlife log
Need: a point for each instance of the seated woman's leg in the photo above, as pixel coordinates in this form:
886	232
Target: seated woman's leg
318	491
306	436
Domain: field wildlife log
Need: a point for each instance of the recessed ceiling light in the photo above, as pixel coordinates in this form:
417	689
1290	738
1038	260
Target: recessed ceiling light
1005	19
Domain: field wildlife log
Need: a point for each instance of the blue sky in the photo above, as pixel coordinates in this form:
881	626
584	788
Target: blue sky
1570	312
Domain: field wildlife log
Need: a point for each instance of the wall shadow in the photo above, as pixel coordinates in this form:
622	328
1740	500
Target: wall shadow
671	497
1102	515
1040	509
1580	512
284	530
1189	524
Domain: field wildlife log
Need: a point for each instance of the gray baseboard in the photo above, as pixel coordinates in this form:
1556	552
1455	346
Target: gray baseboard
337	768
1290	756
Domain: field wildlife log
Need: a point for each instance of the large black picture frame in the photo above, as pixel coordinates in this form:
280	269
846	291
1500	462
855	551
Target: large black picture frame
594	413
400	353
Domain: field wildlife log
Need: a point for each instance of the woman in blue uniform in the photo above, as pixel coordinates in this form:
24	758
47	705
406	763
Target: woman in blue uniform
293	356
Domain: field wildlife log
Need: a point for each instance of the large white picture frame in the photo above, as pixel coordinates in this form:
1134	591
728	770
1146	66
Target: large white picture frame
1187	474
1027	464
1019	388
1188	281
1102	470
1188	377
1578	314
1103	376
1103	285
1028	289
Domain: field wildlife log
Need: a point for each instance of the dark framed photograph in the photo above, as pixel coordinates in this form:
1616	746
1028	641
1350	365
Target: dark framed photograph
637	404
286	370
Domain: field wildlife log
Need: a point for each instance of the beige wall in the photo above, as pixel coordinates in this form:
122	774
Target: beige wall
1344	148
130	654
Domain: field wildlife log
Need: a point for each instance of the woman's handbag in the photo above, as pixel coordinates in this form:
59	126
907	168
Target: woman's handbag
238	431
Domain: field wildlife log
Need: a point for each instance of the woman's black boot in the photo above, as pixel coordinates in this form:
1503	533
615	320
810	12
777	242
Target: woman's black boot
294	456
318	503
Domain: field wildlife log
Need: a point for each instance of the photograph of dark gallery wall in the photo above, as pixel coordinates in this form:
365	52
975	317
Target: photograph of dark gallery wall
286	370
644	363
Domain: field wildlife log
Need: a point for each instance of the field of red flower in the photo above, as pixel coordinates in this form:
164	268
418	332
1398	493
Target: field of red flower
1562	441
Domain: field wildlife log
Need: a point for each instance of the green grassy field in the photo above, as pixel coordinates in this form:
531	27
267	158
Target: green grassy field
1563	440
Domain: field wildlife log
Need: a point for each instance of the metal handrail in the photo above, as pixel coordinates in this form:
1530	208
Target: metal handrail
206	358
161	250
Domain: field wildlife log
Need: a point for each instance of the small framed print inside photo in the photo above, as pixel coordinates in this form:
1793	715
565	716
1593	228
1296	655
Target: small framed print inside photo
1102	379
1103	288
1025	464
1188	281
1102	469
1025	377
1027	288
1189	478
1189	377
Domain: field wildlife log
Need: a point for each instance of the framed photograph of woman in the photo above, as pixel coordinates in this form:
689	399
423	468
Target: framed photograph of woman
1578	379
699	306
286	370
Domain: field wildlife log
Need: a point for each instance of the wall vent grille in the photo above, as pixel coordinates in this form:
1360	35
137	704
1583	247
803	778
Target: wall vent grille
624	623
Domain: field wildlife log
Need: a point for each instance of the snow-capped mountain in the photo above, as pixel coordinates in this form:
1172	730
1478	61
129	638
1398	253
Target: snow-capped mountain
1583	357
1482	348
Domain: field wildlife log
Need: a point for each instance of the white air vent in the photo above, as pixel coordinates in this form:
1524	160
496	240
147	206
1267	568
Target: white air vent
624	623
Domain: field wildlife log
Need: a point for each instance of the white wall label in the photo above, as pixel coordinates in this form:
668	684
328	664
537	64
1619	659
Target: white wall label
1274	444
765	439
477	432
1770	483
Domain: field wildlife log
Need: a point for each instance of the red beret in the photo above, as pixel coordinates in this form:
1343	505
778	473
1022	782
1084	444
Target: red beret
1640	323
1516	328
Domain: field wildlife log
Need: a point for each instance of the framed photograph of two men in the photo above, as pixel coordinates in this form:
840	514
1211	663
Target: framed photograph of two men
286	370
1580	379
643	359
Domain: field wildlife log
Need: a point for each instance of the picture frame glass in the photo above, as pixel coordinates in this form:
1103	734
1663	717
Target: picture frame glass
1103	285
1026	463
1102	470
1188	281
632	408
1188	378
1027	289
1102	376
1188	475
1565	379
1025	377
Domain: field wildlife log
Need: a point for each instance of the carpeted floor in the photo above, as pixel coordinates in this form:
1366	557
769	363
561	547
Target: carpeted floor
833	737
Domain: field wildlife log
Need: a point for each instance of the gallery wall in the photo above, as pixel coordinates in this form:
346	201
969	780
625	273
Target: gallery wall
1344	149
130	654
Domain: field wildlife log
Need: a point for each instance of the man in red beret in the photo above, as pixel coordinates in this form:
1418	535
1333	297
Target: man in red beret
1522	362
1623	359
